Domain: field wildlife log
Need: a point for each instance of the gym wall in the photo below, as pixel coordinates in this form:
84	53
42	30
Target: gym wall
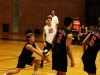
32	13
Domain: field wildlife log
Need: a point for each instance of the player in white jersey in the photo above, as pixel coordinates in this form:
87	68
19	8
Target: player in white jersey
48	33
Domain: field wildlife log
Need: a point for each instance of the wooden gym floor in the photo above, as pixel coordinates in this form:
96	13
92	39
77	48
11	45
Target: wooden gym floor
12	44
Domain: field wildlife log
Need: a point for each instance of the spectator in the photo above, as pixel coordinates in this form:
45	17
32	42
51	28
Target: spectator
82	32
54	18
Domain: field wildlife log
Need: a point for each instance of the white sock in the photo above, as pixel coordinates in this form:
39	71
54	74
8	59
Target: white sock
35	72
4	74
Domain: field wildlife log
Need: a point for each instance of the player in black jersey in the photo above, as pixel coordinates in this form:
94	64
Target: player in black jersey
26	56
62	47
90	52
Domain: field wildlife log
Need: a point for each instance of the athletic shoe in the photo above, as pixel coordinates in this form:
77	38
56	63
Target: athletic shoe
4	74
35	74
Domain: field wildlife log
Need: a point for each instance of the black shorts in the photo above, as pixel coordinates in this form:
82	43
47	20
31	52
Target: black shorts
89	66
59	63
22	62
48	47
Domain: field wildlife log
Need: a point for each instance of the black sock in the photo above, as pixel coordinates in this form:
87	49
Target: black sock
42	61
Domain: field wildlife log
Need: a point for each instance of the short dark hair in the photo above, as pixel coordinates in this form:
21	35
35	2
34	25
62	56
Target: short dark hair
67	21
82	24
29	35
52	10
48	17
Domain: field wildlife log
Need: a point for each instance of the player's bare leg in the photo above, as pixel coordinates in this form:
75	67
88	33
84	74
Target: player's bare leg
36	65
17	70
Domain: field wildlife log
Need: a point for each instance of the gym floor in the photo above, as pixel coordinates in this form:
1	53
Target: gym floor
12	44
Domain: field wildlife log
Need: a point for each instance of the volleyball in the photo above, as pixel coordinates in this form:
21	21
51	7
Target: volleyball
46	52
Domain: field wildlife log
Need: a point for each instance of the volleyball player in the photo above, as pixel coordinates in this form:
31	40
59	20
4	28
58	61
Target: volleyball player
90	52
48	33
26	56
62	47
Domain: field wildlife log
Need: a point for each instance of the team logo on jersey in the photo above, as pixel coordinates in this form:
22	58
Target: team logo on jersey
50	30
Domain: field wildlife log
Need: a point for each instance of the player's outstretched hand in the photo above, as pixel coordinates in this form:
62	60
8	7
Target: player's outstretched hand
72	64
46	58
